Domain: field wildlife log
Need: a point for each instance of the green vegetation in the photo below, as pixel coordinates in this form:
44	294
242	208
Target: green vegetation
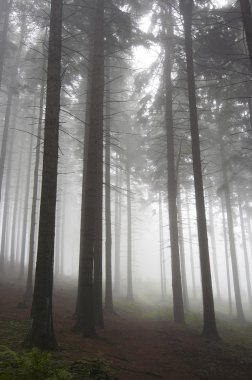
37	365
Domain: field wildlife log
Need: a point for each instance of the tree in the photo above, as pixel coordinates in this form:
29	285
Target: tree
209	327
42	331
178	307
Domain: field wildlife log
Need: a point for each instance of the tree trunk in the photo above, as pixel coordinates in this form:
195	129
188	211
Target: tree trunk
108	305
213	244
178	307
5	15
182	252
247	24
117	238
191	247
42	331
209	327
29	282
226	256
245	250
239	308
26	202
130	296
161	250
91	198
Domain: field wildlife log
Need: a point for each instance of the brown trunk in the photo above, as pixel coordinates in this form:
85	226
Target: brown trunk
108	305
178	307
42	331
92	198
209	326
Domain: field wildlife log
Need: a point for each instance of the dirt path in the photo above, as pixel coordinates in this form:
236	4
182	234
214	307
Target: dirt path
138	348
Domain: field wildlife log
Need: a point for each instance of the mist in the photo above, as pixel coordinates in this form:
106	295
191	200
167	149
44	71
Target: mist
125	189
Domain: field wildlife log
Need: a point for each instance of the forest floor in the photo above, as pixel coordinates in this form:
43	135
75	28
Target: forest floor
140	343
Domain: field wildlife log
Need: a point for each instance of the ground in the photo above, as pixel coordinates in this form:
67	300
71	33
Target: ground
140	343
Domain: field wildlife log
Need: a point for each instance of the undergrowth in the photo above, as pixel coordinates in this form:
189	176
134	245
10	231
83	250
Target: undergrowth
37	365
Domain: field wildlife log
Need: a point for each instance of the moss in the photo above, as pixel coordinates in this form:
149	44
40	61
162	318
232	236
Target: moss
37	365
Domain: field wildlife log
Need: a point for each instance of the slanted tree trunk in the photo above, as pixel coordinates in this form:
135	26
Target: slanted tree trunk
42	332
108	305
209	325
92	197
178	307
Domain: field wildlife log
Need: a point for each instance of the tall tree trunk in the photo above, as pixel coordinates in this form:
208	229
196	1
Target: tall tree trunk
130	296
161	249
108	305
209	327
11	92
117	232
42	331
26	202
91	198
182	252
237	291
178	307
29	282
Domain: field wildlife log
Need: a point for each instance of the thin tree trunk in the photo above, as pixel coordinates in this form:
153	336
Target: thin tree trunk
161	248
213	244
117	237
130	296
29	282
245	250
178	307
191	247
209	325
226	256
182	253
11	92
26	202
108	305
42	331
239	308
5	14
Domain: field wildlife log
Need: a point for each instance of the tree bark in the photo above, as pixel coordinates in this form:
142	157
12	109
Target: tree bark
209	325
91	199
5	15
108	305
130	296
42	331
178	307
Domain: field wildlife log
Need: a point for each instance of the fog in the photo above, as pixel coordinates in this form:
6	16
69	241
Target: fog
125	166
